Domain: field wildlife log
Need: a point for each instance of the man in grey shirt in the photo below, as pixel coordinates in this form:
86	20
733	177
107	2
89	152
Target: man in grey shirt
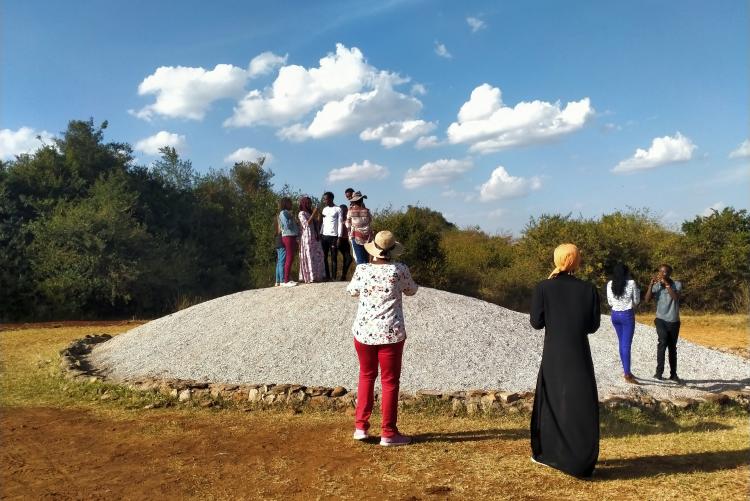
667	293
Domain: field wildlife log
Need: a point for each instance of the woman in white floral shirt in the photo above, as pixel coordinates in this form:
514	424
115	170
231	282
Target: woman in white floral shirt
379	333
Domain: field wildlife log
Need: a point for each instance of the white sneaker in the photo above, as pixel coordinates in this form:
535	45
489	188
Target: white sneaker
359	434
395	440
289	284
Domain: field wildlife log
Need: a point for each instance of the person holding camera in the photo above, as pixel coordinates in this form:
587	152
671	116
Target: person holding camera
667	293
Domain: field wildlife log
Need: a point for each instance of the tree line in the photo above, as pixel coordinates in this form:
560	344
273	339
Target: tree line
87	233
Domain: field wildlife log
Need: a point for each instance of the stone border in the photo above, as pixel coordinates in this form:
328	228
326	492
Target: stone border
75	365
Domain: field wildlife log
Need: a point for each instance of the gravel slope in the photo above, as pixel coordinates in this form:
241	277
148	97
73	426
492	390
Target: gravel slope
302	335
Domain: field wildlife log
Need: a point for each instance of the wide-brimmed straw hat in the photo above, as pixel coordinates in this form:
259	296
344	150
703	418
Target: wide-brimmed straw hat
384	246
357	196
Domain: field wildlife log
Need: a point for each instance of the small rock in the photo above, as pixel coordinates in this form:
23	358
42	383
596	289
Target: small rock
184	395
682	403
716	398
281	388
173	392
338	391
253	395
429	393
489	398
458	407
508	397
149	406
472	408
269	398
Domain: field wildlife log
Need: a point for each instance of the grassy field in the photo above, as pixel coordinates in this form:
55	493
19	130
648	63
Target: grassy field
70	440
721	331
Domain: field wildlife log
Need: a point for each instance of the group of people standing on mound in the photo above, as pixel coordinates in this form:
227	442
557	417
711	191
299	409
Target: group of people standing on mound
320	234
565	418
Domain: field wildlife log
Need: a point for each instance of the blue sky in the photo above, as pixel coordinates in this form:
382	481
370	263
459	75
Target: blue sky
490	112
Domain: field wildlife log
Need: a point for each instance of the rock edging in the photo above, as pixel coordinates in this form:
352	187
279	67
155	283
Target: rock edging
75	365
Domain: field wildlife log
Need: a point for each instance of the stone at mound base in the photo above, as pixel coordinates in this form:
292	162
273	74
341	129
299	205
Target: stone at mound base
303	335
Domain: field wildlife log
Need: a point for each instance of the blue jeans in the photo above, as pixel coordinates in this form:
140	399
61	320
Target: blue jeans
360	254
280	258
624	324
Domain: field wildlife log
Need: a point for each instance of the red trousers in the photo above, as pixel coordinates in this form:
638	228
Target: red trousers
290	245
388	357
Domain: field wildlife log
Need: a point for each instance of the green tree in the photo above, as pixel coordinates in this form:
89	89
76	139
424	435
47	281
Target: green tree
420	230
85	254
715	260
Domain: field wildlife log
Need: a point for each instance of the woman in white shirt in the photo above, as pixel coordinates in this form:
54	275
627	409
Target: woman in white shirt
623	296
379	333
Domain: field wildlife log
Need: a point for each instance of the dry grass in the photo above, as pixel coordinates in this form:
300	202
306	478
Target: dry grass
720	331
279	455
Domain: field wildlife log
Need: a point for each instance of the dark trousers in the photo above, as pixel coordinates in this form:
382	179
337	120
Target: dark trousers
668	332
329	247
346	253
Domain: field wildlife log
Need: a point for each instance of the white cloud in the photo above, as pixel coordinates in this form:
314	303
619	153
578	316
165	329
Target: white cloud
393	134
663	150
185	92
742	151
475	24
442	51
489	125
23	140
265	63
355	112
717	207
441	171
501	186
358	172
151	144
418	89
425	142
247	154
344	91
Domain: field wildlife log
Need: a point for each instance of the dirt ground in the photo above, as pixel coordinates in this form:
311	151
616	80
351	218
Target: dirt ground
53	453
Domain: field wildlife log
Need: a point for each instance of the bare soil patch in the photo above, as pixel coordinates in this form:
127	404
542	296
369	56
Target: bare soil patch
88	454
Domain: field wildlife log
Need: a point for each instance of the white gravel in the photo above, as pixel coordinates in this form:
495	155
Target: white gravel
302	335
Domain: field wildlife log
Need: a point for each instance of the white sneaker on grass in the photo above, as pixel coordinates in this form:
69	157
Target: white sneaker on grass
289	284
359	434
395	440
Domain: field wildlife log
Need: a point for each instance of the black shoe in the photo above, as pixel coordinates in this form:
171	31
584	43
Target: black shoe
674	378
658	376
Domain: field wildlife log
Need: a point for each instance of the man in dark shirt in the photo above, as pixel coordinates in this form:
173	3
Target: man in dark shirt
667	293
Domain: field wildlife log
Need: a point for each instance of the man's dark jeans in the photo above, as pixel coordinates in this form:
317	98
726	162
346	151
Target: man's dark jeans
329	247
668	332
346	253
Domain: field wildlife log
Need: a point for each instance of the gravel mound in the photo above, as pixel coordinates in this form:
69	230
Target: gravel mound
302	335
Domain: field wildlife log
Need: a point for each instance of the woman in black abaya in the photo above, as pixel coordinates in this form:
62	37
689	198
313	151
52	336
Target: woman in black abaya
565	419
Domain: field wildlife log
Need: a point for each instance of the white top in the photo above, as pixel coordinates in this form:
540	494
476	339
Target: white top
333	224
629	299
380	316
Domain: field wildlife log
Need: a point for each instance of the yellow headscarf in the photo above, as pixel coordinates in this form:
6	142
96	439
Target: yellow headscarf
567	258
